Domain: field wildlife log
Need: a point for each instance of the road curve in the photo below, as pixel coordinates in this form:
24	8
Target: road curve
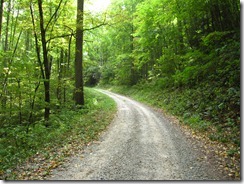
140	144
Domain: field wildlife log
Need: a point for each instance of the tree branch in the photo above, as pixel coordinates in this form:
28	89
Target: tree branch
99	25
59	36
50	20
95	27
36	42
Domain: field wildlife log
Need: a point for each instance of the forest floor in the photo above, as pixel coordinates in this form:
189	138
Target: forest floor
44	149
144	144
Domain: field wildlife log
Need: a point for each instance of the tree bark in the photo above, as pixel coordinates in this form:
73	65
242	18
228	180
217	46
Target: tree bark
47	70
6	43
79	94
1	16
60	71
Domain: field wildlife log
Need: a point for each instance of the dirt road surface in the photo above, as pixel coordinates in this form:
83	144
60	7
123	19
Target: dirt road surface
140	144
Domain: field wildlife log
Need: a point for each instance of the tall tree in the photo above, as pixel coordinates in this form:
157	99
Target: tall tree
47	65
1	16
79	94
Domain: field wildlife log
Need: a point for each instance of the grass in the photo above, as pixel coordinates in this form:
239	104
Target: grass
68	125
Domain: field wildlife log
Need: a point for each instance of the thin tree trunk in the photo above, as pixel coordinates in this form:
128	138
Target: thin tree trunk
36	43
67	74
20	100
60	67
1	17
27	41
5	60
46	63
6	44
79	94
30	121
13	28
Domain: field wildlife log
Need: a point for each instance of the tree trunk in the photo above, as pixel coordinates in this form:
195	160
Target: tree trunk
60	71
32	104
78	94
6	43
5	59
1	17
47	66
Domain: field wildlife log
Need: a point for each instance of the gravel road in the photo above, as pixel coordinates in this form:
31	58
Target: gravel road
140	144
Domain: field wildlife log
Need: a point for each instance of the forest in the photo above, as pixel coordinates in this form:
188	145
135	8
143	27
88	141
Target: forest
181	56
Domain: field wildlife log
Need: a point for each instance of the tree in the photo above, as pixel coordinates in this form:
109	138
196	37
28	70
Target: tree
79	94
1	16
46	62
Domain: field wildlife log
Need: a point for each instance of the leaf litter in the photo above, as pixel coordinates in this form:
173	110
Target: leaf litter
215	152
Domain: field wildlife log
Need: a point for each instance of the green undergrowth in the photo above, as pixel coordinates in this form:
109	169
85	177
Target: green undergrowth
67	125
216	115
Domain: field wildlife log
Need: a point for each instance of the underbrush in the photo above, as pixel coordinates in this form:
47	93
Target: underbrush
66	125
